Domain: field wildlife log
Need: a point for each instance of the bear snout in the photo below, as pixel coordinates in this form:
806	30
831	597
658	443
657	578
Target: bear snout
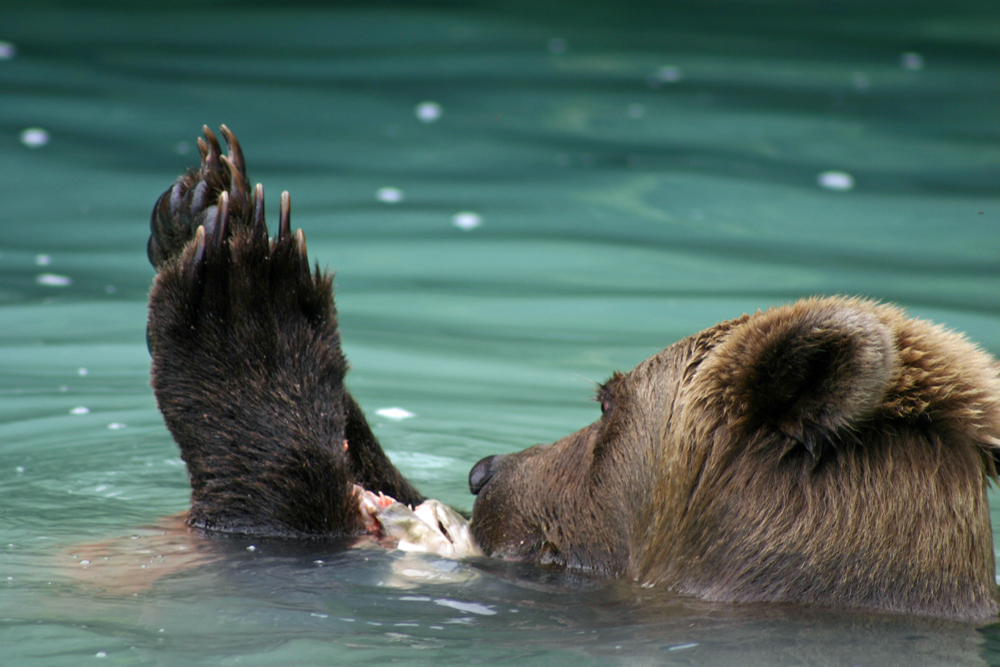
482	472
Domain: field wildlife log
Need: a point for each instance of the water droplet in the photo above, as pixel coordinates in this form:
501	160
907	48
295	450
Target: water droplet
389	195
53	280
665	74
467	220
911	61
558	46
80	410
34	137
396	414
839	181
428	112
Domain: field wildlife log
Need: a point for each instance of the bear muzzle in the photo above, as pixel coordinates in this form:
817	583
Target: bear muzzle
483	472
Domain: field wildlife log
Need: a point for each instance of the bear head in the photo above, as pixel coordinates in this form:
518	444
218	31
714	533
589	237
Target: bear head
833	451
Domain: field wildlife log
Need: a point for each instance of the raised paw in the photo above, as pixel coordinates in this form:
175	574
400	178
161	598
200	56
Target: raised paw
247	366
192	201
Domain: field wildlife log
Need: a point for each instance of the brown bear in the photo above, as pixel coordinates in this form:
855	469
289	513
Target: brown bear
832	451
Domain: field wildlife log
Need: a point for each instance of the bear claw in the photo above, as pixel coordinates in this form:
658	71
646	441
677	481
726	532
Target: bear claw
199	247
285	219
221	218
193	199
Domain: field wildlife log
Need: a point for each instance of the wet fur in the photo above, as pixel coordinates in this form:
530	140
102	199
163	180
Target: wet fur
247	366
832	451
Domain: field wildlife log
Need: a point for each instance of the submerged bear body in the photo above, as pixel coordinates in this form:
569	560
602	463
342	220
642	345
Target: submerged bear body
832	451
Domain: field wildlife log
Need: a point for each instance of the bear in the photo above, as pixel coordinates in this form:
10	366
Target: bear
832	452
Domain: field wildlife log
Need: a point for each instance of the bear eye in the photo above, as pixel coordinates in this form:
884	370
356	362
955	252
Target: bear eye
606	405
605	394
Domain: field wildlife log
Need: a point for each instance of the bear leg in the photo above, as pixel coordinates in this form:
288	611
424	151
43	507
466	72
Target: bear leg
247	365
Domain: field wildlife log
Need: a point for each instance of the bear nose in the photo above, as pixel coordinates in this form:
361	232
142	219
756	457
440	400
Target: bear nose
481	473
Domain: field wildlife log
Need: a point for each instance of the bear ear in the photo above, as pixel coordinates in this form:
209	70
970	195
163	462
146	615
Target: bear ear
808	370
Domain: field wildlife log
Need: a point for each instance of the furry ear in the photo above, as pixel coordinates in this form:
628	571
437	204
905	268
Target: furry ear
808	370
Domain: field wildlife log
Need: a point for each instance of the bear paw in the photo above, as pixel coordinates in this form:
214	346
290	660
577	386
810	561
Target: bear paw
192	201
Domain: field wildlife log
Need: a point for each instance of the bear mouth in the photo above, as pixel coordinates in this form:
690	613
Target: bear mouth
430	527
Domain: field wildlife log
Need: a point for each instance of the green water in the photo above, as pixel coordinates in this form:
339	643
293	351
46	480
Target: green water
639	170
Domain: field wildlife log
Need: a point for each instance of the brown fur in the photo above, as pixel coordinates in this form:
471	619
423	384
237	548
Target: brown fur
247	366
832	451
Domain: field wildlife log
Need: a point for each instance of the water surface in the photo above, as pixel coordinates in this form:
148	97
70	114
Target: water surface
518	198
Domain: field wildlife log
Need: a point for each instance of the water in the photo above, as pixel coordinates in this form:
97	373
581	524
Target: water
518	198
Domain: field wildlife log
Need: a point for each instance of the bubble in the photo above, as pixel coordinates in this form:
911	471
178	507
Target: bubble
53	280
80	410
43	260
396	414
665	74
428	112
7	50
115	426
81	371
840	181
389	195
911	61
34	137
467	220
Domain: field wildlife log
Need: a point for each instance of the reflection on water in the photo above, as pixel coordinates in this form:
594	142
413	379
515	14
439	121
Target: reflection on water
519	198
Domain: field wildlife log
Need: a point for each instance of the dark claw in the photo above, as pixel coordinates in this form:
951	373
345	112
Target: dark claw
176	196
285	220
211	158
300	239
198	196
221	218
235	178
259	225
235	152
199	247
